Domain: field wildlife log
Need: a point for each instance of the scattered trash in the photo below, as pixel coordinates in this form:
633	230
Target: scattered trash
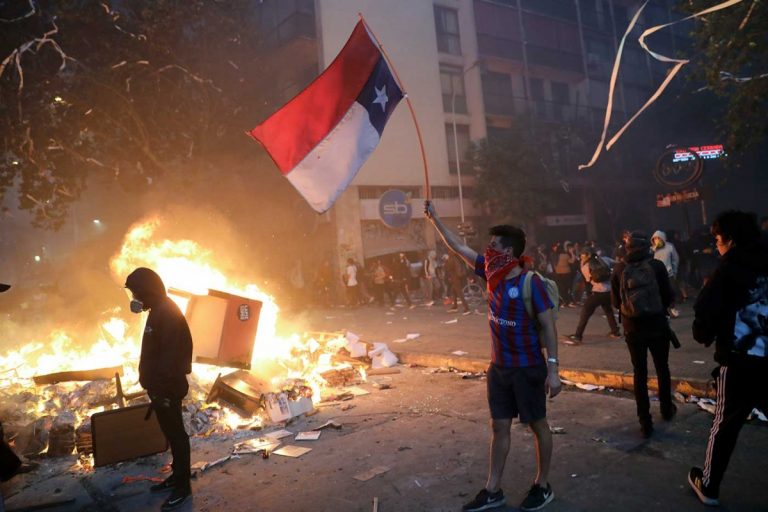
471	375
389	313
574	475
141	478
710	408
355	347
278	434
557	430
357	391
312	435
679	397
291	450
454	321
381	384
699	362
399	340
329	424
383	371
459	353
256	445
589	387
567	382
205	466
417	483
757	413
412	336
367	475
381	356
599	440
346	407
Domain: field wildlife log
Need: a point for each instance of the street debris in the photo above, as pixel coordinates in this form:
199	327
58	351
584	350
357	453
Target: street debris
589	387
140	478
459	353
757	413
201	467
256	445
383	371
292	450
278	434
557	430
709	407
454	321
312	435
375	471
699	362
381	384
381	356
329	424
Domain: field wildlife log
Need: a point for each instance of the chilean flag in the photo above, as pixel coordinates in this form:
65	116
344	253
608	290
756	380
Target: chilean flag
321	138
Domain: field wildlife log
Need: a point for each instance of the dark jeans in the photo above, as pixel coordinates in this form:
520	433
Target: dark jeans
595	300
564	282
456	292
741	386
658	344
172	425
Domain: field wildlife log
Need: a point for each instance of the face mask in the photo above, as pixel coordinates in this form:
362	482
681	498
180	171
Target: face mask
136	306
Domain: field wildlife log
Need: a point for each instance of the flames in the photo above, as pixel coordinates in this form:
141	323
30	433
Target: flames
184	265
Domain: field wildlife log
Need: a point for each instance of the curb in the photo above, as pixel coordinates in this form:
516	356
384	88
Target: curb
607	378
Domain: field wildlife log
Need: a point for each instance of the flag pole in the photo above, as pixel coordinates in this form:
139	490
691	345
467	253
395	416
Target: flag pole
410	106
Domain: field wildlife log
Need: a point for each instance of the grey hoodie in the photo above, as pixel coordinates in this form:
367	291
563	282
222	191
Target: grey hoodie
666	254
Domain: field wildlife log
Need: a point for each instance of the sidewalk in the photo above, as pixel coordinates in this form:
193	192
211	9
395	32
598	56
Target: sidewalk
599	360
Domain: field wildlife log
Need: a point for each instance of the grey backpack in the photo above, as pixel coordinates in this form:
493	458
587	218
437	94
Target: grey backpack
640	295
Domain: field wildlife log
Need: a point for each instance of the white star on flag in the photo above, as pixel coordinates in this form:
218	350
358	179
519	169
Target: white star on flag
381	97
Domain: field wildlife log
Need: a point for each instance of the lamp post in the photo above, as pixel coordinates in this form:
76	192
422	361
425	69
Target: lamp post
456	138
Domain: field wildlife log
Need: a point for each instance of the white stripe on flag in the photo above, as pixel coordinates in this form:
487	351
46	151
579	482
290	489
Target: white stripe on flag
327	170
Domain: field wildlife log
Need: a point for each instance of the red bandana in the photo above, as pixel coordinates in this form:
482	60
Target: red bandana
498	264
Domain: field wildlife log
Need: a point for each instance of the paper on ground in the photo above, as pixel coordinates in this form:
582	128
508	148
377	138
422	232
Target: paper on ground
278	434
589	387
412	335
454	321
381	356
400	340
367	475
459	353
357	391
312	435
698	362
292	450
256	445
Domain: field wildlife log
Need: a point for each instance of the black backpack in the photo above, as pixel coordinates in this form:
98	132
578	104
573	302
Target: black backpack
599	271
640	295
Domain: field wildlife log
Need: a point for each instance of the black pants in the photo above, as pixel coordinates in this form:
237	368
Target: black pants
172	425
564	282
658	344
741	386
595	299
401	287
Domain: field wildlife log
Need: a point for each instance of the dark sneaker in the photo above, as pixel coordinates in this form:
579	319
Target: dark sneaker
165	485
707	496
177	498
668	412
572	340
538	497
614	335
485	500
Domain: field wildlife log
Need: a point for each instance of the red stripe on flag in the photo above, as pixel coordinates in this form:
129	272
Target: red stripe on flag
292	132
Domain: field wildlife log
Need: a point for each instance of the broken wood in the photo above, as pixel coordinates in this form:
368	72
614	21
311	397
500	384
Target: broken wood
382	371
76	375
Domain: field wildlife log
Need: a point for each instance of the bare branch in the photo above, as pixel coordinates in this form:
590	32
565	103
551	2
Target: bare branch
32	11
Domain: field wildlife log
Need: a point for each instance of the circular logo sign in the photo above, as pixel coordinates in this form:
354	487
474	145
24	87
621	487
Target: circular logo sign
395	208
678	167
513	292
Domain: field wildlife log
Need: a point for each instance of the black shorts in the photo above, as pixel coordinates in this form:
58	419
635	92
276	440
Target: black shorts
517	391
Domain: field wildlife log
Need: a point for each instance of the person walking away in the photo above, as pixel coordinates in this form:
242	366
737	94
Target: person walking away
400	278
641	292
380	278
351	284
666	253
455	272
563	276
596	271
429	275
731	311
519	376
165	361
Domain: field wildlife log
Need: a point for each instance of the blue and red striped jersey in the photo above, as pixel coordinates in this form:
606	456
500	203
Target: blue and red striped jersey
515	340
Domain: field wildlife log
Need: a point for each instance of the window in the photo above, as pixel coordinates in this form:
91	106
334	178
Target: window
462	136
452	83
537	96
497	93
447	28
561	100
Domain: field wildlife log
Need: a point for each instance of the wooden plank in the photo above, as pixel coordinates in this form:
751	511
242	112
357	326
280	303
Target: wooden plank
76	375
123	434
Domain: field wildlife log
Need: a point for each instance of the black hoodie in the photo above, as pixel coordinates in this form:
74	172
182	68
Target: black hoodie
166	348
741	280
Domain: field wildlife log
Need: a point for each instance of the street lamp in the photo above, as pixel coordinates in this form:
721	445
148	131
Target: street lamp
456	137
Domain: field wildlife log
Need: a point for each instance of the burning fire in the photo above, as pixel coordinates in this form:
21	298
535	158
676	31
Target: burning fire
186	266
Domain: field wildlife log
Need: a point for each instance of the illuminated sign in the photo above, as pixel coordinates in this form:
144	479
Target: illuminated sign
683	196
705	152
395	208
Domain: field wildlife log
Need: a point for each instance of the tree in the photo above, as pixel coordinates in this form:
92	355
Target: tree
516	173
132	92
733	62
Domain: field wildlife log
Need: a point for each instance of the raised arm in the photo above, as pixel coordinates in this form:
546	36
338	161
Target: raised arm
451	239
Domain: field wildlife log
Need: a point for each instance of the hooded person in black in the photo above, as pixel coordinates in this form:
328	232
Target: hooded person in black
166	359
643	307
732	312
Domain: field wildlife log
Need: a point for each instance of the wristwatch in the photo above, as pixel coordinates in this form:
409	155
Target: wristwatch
553	360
